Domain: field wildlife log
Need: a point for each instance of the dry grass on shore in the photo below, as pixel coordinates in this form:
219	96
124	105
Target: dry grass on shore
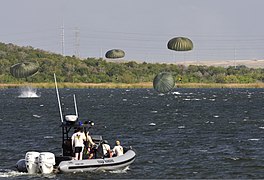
220	85
133	85
80	85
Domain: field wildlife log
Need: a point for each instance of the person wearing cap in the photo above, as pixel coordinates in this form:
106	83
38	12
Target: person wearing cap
118	149
106	149
77	143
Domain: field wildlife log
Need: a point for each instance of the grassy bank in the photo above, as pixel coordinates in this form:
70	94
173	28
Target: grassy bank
133	85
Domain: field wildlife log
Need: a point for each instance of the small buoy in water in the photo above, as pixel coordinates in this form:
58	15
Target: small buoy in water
152	124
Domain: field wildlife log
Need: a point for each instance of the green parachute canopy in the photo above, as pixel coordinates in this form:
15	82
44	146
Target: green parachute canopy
163	82
115	53
180	44
23	70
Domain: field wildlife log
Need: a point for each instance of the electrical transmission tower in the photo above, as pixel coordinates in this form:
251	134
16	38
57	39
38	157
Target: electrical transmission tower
62	40
77	42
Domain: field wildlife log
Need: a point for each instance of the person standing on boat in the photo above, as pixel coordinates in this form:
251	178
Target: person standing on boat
90	145
118	149
78	139
106	149
89	140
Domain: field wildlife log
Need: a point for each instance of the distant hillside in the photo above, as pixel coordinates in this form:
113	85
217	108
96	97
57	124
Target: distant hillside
227	63
92	70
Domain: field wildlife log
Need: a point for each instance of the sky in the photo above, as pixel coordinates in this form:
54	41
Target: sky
219	29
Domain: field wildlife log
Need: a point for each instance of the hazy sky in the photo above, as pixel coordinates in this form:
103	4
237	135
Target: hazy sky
219	29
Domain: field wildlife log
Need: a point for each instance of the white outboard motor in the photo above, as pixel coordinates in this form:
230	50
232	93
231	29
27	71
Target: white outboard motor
46	162
32	162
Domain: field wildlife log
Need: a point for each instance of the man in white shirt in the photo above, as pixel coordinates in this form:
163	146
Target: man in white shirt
77	143
118	149
106	149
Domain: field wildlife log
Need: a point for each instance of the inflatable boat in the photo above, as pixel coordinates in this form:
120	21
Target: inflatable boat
47	162
65	163
104	164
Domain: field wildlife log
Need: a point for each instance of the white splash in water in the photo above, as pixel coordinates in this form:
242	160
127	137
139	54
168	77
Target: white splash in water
175	93
181	127
10	173
203	150
28	92
36	116
254	139
48	137
209	122
120	171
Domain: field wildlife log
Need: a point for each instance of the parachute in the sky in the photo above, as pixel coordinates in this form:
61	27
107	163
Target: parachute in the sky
23	70
115	53
180	44
163	82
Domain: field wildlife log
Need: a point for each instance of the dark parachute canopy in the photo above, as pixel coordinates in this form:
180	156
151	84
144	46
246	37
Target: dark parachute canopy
180	44
115	53
23	70
163	82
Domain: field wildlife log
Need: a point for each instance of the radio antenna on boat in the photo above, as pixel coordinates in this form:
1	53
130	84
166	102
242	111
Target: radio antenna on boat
75	105
58	97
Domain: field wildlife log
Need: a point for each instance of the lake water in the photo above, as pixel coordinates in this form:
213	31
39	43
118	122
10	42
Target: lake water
188	133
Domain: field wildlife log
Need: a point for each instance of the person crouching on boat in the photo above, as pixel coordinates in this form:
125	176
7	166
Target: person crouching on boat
118	149
77	142
106	149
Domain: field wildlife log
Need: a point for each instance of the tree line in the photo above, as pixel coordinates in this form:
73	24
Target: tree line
94	70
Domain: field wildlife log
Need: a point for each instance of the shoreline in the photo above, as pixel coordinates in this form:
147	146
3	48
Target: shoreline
131	85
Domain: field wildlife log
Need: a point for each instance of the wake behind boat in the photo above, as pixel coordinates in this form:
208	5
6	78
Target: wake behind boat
47	162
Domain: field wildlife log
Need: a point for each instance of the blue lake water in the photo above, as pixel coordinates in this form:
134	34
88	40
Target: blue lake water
188	133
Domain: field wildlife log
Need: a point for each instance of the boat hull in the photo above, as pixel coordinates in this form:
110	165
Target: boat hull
106	164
